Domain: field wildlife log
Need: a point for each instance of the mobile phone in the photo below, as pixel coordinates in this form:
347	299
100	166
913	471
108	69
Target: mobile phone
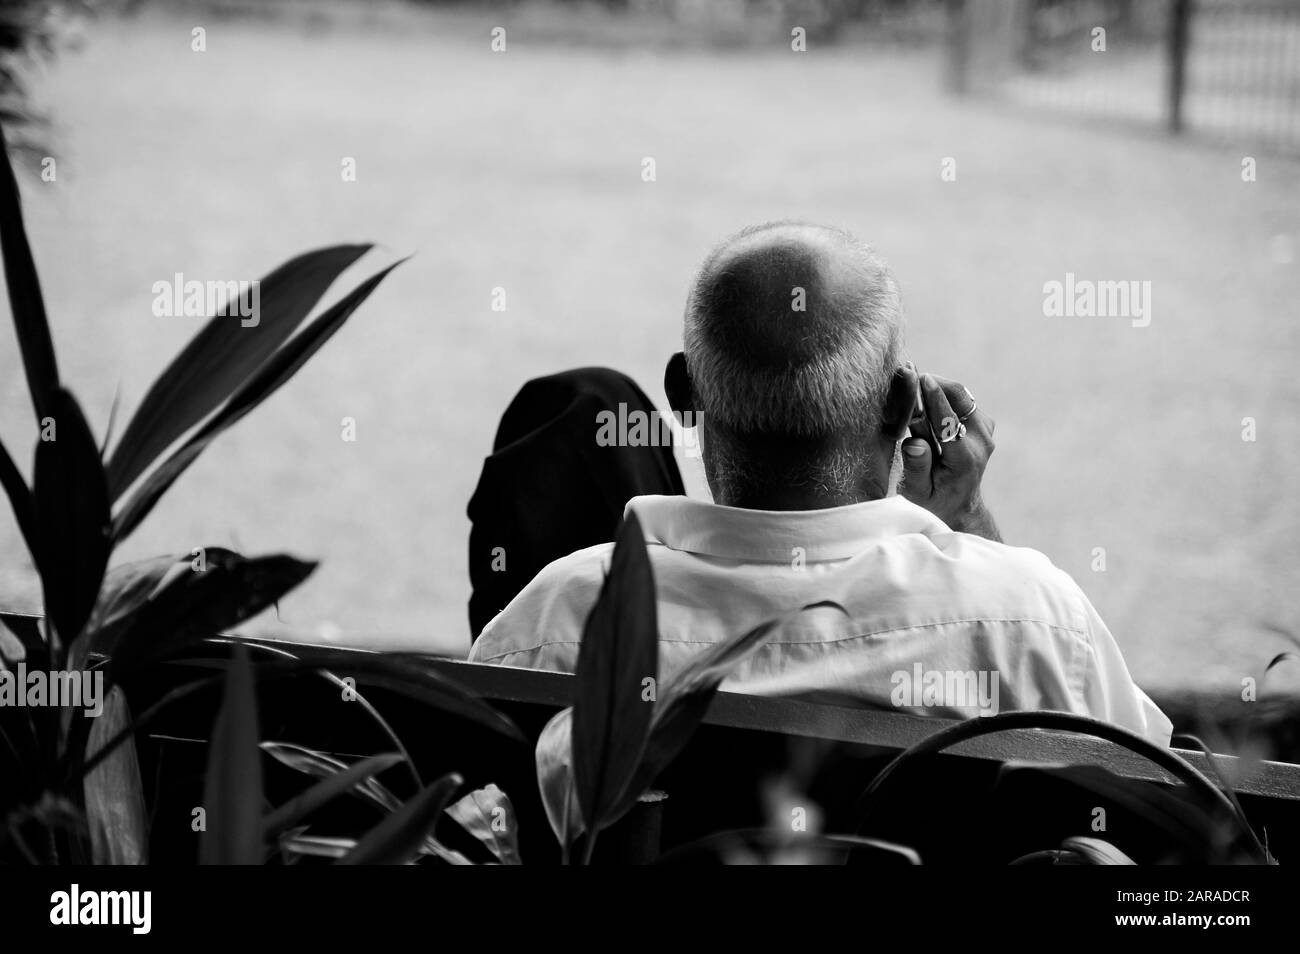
920	426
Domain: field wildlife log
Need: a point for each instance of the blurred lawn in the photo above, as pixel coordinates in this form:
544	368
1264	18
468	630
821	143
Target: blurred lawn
522	170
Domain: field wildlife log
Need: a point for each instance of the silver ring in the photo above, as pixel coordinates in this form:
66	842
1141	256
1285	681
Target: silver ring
961	432
973	406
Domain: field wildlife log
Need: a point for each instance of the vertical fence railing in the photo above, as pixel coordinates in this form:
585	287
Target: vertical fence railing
1227	70
1179	32
1244	71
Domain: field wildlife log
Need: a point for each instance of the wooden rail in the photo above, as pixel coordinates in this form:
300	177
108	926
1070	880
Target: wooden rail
885	730
872	728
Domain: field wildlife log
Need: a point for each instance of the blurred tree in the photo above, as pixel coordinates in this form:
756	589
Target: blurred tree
29	30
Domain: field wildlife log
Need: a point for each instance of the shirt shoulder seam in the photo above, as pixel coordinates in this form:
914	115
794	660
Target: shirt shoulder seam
809	642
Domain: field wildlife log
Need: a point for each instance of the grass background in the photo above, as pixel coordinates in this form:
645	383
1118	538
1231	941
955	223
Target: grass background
522	170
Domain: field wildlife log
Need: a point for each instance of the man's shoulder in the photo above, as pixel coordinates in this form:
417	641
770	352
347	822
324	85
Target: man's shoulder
1027	560
550	610
1022	572
577	571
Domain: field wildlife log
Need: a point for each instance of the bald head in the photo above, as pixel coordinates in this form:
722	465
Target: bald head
792	330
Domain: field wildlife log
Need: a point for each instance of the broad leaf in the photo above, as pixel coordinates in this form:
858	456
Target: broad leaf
619	654
685	700
316	846
196	604
554	761
26	630
331	787
20	499
1199	787
268	378
1280	658
115	808
399	838
319	765
72	518
128	586
12	650
320	846
221	358
487	814
232	789
1095	851
25	299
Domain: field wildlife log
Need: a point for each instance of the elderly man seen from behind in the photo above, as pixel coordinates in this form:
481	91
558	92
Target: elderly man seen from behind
827	485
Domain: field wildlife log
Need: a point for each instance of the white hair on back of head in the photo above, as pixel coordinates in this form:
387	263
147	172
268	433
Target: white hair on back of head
758	366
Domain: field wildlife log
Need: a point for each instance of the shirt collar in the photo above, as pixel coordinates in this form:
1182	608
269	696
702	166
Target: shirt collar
771	536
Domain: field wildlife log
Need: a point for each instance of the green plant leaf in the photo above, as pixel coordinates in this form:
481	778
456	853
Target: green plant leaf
1280	658
320	765
619	652
112	421
221	358
1095	851
115	809
264	382
1198	785
77	767
488	815
25	300
322	846
72	518
232	788
12	650
20	499
317	846
1052	856
1244	765
26	630
128	586
325	791
193	605
685	700
400	836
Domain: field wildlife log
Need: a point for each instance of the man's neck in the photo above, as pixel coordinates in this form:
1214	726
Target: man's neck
783	473
795	497
791	499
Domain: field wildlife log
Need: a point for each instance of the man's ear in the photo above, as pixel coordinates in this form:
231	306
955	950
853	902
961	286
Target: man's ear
900	403
677	385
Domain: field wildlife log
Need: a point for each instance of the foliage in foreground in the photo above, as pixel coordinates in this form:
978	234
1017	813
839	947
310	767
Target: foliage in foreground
69	778
72	789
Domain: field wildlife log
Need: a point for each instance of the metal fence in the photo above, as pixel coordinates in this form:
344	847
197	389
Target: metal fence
1224	69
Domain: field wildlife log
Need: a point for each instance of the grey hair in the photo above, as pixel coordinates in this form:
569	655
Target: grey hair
759	367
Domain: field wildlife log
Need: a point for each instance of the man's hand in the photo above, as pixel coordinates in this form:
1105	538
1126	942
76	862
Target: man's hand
948	484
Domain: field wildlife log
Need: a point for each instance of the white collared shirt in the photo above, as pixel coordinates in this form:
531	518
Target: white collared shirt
937	622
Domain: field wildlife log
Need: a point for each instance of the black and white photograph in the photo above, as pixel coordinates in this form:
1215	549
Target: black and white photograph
687	433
